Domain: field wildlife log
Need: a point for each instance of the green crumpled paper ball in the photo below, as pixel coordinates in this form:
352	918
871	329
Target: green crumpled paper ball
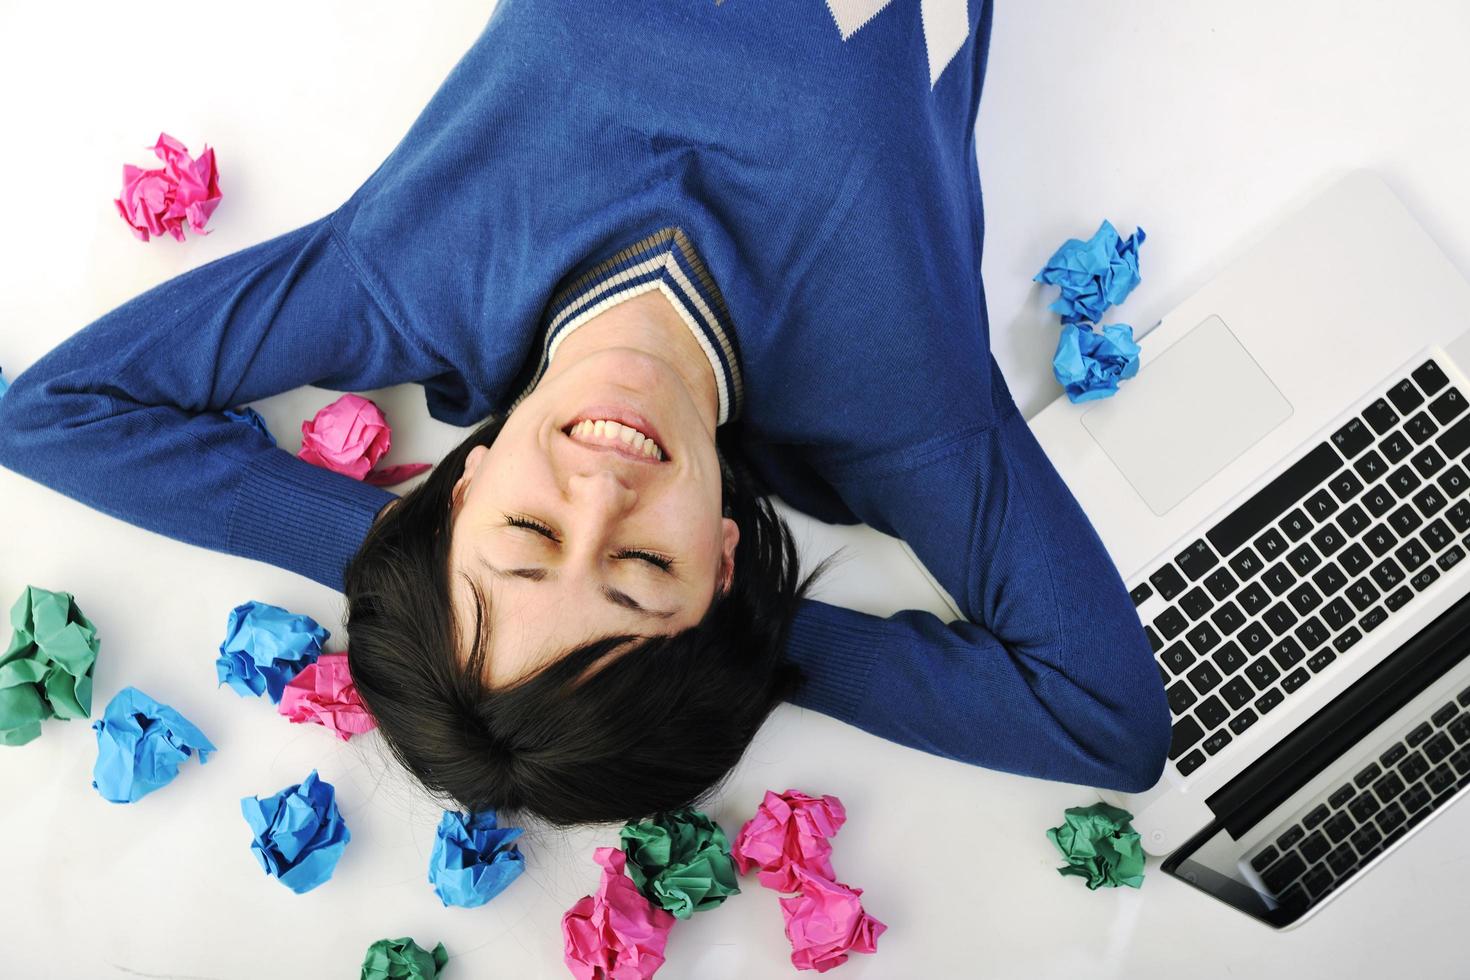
402	959
680	860
47	669
1100	845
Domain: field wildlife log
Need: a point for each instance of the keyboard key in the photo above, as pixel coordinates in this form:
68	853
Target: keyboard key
1395	446
1263	860
1411	554
1345	485
1342	641
1320	505
1242	721
1279	617
1298	480
1328	538
1295	524
1278	578
1237	692
1170	623
1405	519
1428	462
1271	545
1317	661
1461	761
1429	377
1387	574
1447	405
1261	673
1245	564
1253	598
1450	558
1177	657
1381	416
1283	873
1140	594
1303	559
1444	713
1341	795
1329	579
1354	559
1168	581
1430	500
1459	515
1221	583
1464	698
1304	599
1203	677
1365	778
1227	618
1419	734
1203	638
1269	700
1453	481
1211	712
1388	787
1453	441
1398	598
1415	798
1338	613
1342	860
1441	778
1420	427
1379	539
1228	658
1365	839
1294	680
1197	559
1372	619
1424	578
1195	603
1190	762
1405	396
1403	481
1217	741
1362	807
1315	817
1338	827
1370	466
1286	653
1438	747
1459	729
1390	817
1187	731
1312	633
1254	638
1379	500
1314	846
1180	697
1391	757
1154	643
1353	519
1352	438
1361	593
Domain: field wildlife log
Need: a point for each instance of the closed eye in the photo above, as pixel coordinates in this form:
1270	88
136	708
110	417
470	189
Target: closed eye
531	524
660	562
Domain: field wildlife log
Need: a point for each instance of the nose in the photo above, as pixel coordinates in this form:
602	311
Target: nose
601	492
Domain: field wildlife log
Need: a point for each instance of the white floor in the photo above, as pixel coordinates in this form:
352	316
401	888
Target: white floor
1199	121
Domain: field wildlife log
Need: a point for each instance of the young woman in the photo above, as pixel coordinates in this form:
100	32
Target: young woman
680	255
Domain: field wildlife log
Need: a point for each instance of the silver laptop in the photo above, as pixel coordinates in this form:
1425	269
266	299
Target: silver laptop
1285	489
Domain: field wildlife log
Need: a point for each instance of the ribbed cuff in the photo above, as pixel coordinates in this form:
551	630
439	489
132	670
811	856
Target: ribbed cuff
301	517
836	653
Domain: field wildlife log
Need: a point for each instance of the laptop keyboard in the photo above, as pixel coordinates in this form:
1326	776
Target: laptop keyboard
1411	779
1325	553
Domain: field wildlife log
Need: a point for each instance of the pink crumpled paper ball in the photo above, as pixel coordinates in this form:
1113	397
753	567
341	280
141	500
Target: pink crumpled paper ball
161	200
616	934
790	830
323	694
825	922
349	436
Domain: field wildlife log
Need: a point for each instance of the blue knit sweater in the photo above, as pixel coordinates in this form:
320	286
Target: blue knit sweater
826	177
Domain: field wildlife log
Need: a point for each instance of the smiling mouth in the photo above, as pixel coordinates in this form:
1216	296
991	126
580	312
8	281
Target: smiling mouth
618	436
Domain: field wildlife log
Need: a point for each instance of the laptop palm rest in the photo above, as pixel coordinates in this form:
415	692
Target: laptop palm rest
1199	405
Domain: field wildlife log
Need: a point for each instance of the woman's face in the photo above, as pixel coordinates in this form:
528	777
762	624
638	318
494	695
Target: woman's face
576	531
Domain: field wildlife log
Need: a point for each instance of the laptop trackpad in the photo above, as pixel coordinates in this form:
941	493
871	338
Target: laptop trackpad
1201	404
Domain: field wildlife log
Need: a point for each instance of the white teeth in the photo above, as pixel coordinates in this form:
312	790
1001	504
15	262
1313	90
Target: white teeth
648	447
599	428
606	429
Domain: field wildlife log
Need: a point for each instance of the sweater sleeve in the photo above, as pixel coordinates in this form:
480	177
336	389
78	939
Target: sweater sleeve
126	415
1050	673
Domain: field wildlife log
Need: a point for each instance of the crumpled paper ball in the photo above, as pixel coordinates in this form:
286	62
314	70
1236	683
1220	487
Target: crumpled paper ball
825	922
402	959
299	833
616	934
680	860
1100	845
323	694
46	670
473	860
264	647
162	200
349	436
1089	365
140	746
790	830
249	416
1093	275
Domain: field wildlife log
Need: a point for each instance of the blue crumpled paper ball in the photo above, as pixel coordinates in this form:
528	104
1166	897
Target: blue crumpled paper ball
1093	275
1089	365
265	646
249	416
473	860
140	746
299	833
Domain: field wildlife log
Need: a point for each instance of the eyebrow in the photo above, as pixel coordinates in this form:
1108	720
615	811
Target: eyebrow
615	596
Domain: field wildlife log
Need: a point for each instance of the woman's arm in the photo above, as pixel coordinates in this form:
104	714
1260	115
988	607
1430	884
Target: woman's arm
1050	676
125	416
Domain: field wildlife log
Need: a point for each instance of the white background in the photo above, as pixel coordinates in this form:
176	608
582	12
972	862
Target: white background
1202	122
